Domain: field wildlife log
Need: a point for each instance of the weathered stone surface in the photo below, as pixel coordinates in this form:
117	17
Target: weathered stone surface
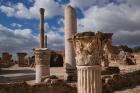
42	60
110	70
56	86
70	29
20	59
116	81
42	27
89	47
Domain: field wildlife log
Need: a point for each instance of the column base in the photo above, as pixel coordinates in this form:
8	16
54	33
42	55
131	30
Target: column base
70	75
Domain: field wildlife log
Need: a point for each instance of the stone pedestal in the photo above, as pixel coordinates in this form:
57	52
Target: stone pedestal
89	79
70	29
42	60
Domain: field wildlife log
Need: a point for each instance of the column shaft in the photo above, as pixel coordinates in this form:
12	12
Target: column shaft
70	29
89	79
42	27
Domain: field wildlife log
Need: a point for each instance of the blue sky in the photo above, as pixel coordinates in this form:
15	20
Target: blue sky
19	21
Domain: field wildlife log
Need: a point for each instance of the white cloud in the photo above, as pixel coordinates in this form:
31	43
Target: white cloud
9	11
22	40
55	40
16	25
123	20
21	11
19	40
84	4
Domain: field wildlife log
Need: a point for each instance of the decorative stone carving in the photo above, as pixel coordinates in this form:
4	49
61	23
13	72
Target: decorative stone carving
42	56
89	47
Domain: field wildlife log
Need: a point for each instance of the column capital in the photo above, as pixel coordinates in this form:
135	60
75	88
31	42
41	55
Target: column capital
88	47
42	56
42	10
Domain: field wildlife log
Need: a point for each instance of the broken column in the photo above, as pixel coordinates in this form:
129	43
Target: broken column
88	47
45	41
20	59
70	29
42	27
42	55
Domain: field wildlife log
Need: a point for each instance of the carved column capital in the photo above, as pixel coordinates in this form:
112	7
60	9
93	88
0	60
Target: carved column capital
88	47
42	56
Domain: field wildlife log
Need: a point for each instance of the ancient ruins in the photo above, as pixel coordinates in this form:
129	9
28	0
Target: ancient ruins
89	63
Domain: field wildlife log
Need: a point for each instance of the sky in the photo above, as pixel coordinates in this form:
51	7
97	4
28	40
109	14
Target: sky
19	22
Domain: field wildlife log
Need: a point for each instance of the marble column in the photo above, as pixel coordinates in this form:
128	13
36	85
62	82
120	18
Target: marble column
42	60
45	41
88	47
42	27
70	29
89	79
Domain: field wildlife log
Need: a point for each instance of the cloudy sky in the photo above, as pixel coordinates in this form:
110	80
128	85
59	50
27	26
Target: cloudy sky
19	21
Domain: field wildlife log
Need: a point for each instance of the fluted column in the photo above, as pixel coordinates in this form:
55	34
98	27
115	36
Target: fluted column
89	79
42	60
70	29
88	47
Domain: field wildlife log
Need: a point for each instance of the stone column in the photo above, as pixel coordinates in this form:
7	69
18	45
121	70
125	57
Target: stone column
89	51
45	41
42	60
42	27
21	59
89	79
70	29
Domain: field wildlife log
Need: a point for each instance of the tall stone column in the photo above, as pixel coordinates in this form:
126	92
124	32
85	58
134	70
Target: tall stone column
70	29
45	41
42	55
89	51
42	60
42	27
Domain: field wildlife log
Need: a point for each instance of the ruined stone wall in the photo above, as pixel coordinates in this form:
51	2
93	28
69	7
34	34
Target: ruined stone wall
53	87
110	84
120	81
